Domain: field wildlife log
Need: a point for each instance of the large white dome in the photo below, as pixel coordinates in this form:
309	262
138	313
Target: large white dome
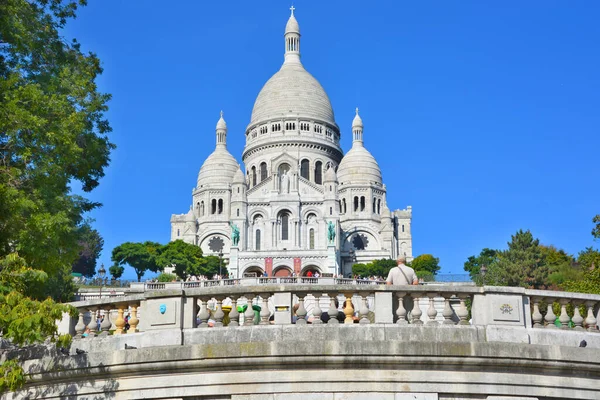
292	91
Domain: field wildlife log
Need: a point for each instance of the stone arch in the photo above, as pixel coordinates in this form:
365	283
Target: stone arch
203	241
282	271
370	234
311	210
310	267
255	211
253	269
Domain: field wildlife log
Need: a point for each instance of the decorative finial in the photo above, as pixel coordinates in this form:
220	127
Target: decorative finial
292	8
222	112
356	110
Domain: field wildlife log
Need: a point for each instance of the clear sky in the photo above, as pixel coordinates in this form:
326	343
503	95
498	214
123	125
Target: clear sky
483	116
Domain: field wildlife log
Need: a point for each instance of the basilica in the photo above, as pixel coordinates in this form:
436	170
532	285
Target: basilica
302	204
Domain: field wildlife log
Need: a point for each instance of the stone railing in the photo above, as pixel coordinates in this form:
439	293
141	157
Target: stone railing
506	314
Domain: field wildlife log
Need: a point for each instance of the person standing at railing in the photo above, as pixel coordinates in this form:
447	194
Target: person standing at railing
402	274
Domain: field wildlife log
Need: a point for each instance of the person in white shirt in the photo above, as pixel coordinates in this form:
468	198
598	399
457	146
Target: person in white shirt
402	274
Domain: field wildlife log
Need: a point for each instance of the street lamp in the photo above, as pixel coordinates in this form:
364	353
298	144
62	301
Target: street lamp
101	274
220	263
482	272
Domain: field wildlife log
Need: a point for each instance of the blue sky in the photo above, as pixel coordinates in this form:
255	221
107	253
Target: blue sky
484	116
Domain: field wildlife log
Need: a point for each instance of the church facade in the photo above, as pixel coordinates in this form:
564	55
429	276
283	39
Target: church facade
301	205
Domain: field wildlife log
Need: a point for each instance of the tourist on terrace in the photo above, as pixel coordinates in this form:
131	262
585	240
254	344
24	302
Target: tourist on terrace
402	274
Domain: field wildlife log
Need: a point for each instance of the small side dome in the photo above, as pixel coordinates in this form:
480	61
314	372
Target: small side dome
359	166
330	175
238	177
219	168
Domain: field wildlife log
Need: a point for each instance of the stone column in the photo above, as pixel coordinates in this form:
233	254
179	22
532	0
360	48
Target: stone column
431	311
348	310
203	315
550	317
564	317
133	321
249	314
219	314
364	310
106	324
333	311
536	315
234	315
80	327
416	311
448	311
590	320
92	326
120	322
301	313
317	310
264	309
401	311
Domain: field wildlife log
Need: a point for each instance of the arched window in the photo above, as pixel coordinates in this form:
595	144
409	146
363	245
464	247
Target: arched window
402	228
202	209
304	165
177	232
330	210
257	239
355	203
220	206
319	172
311	239
285	220
238	212
253	176
213	208
374	206
362	203
263	171
343	206
379	206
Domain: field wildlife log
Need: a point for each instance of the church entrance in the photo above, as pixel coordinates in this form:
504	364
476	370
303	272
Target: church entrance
313	269
282	272
253	272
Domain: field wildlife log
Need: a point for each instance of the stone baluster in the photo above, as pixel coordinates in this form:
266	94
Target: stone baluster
431	311
550	317
590	320
463	312
264	309
448	311
363	312
301	313
348	309
249	314
401	311
536	315
106	324
203	314
317	311
134	320
564	317
80	327
219	314
92	325
333	311
120	322
577	318
416	311
234	314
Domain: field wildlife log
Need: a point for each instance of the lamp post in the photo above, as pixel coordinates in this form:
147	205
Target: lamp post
220	263
352	260
101	274
482	272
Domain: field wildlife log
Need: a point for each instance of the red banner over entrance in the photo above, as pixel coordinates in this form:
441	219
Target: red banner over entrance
269	266
297	265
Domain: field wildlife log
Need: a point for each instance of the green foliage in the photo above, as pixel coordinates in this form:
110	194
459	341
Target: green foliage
209	267
12	376
183	256
589	258
141	256
426	262
589	282
596	230
561	266
424	275
166	277
523	264
473	264
379	268
90	246
116	271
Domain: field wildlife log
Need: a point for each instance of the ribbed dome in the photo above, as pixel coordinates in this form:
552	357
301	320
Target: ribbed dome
358	166
292	91
219	167
330	175
239	176
292	25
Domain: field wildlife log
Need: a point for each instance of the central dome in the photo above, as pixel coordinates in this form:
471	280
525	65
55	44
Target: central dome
292	91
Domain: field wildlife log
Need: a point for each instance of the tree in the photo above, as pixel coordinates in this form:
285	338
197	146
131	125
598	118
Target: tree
589	258
379	268
589	282
209	267
90	245
181	255
523	264
52	133
426	262
141	257
116	271
596	230
561	266
486	257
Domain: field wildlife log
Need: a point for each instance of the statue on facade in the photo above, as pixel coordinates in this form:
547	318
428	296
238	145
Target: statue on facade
235	234
285	182
330	232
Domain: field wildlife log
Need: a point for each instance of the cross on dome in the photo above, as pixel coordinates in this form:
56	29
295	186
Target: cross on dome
292	8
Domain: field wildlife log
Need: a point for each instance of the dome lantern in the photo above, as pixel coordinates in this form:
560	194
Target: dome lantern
221	131
292	40
357	129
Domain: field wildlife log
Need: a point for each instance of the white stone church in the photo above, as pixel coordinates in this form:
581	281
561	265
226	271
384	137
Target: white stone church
301	205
